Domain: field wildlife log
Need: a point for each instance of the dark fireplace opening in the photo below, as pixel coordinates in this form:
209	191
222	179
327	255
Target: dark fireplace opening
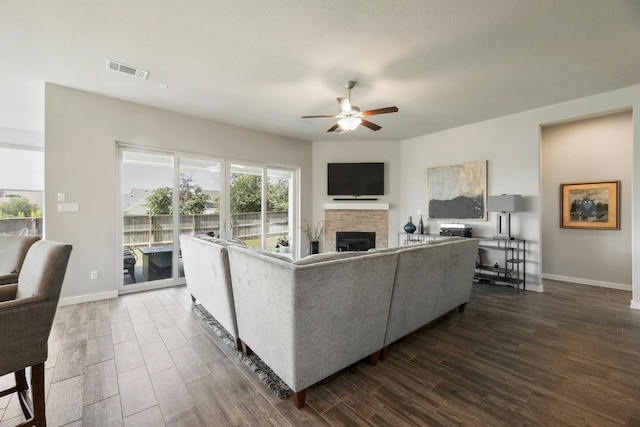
355	240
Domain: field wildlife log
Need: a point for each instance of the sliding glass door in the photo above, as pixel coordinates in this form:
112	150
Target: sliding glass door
165	195
262	210
246	195
281	235
200	192
147	222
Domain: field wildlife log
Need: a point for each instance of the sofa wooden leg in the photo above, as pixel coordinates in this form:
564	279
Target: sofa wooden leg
384	353
245	348
299	397
373	359
461	307
238	344
193	299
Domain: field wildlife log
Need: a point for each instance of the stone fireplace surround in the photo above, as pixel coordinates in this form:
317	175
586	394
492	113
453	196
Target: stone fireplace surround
356	216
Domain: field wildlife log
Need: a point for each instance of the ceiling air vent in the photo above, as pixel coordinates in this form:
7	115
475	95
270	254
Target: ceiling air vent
127	69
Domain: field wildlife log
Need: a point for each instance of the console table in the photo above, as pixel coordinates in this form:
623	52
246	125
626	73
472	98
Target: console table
411	238
513	255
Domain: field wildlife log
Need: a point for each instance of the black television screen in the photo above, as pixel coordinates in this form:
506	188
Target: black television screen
355	179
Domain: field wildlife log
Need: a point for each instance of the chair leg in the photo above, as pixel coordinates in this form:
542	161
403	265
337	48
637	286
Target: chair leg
32	406
37	390
22	388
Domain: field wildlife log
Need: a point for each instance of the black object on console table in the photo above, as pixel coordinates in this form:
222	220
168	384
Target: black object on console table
460	230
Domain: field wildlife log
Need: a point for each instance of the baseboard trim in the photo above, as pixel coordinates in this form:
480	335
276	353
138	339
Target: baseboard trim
87	298
635	305
610	285
535	288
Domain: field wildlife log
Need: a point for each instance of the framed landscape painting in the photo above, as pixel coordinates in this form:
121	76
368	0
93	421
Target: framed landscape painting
593	205
458	191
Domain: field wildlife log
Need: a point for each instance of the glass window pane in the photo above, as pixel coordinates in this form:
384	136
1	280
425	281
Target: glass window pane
199	198
246	204
21	191
147	188
279	189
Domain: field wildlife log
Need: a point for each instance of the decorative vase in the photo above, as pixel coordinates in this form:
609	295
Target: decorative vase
410	227
313	247
420	226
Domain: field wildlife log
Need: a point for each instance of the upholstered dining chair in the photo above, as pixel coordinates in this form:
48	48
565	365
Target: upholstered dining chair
27	309
13	249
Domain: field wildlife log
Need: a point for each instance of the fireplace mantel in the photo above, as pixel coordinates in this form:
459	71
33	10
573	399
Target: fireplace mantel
355	206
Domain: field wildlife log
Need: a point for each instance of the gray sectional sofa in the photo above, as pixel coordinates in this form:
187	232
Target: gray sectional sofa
310	318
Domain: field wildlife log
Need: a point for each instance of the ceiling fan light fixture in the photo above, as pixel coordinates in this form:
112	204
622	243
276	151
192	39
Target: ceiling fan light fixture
350	116
349	123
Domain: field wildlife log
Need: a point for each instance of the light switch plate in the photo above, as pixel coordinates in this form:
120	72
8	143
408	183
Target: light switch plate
68	207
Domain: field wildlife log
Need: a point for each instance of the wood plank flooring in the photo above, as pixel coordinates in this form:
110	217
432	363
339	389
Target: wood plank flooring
568	356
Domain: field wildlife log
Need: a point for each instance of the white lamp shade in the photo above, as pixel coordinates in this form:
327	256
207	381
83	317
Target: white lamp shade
504	203
349	123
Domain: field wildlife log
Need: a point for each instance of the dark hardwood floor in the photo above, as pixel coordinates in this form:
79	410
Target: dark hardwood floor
568	356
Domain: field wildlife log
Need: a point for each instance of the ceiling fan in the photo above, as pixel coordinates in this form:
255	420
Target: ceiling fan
350	116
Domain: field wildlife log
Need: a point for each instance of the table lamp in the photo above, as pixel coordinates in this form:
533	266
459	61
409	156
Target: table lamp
504	204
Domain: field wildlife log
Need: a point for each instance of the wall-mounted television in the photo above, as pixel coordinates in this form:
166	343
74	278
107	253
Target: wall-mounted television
355	179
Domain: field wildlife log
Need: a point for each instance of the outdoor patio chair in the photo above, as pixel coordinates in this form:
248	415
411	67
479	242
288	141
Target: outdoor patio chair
130	260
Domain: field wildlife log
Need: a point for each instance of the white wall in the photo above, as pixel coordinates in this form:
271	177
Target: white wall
590	150
80	160
511	144
81	131
511	150
355	152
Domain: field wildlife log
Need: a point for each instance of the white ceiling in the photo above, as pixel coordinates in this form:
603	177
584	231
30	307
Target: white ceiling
263	64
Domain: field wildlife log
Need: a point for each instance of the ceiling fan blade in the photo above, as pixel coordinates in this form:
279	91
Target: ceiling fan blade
334	127
313	117
370	125
345	104
380	111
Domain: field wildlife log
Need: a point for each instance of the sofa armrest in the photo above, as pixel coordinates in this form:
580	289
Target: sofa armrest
206	269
